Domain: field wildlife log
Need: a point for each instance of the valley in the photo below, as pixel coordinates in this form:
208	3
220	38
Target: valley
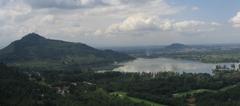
119	53
90	76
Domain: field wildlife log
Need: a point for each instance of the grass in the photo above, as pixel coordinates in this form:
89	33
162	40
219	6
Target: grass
229	87
137	100
192	92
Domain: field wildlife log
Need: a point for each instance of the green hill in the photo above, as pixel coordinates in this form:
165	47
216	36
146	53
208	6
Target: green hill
176	46
35	51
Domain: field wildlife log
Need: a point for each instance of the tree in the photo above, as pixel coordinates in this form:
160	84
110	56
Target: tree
233	66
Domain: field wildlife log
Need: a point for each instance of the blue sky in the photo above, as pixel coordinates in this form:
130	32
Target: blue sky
218	10
103	23
210	4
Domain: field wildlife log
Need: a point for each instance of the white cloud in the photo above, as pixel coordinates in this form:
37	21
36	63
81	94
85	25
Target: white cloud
236	20
76	19
124	8
140	22
194	26
134	23
52	16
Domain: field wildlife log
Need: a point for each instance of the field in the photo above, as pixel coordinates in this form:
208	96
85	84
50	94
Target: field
198	91
137	100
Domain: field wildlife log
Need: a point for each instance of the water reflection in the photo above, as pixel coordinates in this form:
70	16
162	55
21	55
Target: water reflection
166	64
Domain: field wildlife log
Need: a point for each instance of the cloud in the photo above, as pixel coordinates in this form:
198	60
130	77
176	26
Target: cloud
64	4
51	16
76	4
135	23
82	20
193	26
141	22
195	8
11	9
236	20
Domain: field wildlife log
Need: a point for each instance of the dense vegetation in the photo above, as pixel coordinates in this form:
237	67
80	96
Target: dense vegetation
162	87
88	88
29	89
229	97
82	86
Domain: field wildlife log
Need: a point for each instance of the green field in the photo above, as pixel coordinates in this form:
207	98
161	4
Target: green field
192	92
137	100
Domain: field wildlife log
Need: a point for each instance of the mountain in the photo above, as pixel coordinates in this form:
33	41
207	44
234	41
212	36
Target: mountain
34	50
176	46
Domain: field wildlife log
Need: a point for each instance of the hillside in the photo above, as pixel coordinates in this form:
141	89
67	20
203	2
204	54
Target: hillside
21	88
176	46
34	51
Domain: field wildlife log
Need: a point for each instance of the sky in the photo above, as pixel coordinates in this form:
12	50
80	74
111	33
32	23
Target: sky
108	23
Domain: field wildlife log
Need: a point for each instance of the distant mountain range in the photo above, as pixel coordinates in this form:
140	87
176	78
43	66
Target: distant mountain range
34	50
177	46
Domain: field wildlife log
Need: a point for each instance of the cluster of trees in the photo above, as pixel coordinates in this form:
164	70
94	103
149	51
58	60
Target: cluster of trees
228	97
88	88
20	88
233	67
160	87
156	87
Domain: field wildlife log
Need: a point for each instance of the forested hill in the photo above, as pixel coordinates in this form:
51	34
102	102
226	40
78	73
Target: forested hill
34	50
176	46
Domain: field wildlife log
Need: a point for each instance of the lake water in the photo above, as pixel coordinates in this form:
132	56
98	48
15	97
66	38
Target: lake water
166	64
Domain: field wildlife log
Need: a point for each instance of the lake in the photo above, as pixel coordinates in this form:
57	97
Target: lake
166	64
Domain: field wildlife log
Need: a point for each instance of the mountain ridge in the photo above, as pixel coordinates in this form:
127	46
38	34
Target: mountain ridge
36	50
176	46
